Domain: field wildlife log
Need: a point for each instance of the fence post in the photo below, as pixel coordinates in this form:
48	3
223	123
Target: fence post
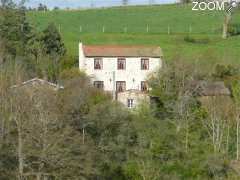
147	28
190	29
168	29
125	30
59	28
103	29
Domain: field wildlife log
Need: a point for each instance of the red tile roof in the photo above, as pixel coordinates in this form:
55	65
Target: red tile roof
121	51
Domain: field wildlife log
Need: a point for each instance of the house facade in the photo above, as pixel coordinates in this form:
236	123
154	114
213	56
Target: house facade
119	68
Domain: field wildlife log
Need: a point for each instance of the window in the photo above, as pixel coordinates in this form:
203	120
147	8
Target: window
120	86
144	64
98	63
144	86
121	63
130	103
98	84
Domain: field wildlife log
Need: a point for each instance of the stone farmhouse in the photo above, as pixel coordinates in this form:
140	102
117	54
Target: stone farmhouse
121	70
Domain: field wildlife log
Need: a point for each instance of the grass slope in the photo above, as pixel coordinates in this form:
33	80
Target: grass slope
179	20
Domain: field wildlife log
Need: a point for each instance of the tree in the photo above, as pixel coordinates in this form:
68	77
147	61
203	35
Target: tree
185	1
56	8
15	30
110	126
183	125
236	96
42	7
125	2
226	24
50	48
46	144
52	41
7	4
218	121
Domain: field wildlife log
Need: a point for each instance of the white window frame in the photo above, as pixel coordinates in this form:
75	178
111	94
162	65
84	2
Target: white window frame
130	103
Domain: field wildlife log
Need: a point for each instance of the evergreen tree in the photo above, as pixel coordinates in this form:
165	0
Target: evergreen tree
14	30
52	41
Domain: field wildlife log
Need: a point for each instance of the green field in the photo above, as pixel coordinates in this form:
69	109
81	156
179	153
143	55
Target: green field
163	25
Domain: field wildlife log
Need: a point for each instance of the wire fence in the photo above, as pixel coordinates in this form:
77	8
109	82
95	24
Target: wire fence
167	29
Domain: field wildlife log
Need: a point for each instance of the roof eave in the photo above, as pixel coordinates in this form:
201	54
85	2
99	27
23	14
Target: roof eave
124	56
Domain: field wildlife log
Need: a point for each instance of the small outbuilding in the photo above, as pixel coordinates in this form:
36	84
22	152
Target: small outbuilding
207	91
132	98
38	83
205	88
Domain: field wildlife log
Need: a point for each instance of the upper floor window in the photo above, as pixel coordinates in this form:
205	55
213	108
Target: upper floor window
120	86
98	84
144	64
121	63
98	64
144	86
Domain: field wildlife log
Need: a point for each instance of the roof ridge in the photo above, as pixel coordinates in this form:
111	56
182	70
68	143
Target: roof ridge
116	45
122	50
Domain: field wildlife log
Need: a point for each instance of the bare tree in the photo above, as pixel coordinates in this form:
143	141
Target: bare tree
45	142
226	23
236	96
217	121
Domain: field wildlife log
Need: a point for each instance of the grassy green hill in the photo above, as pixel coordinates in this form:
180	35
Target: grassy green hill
147	25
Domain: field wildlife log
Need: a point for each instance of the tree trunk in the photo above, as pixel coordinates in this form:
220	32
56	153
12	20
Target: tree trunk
227	148
38	176
227	19
83	136
187	135
237	138
20	153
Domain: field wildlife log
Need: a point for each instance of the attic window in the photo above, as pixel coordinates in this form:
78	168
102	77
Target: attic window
98	63
121	63
144	64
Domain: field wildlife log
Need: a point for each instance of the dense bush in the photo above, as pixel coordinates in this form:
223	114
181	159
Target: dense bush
196	40
234	29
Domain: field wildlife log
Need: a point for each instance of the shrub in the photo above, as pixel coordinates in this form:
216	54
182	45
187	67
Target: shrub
223	71
71	73
189	39
202	40
234	29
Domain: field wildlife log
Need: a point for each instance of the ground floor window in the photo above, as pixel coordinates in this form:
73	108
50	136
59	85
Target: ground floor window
98	84
144	86
130	103
120	86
